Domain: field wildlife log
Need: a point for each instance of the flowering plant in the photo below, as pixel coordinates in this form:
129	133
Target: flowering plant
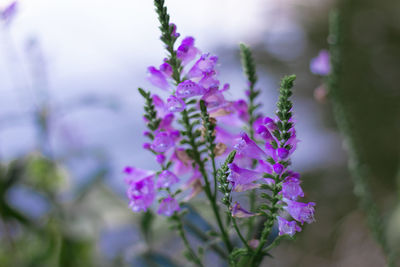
191	132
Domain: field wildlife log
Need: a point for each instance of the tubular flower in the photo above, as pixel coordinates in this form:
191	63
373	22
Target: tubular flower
140	191
168	206
166	179
301	212
243	179
287	227
249	148
162	142
238	212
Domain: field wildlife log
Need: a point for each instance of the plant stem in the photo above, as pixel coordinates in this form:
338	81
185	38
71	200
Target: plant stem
207	189
193	255
249	69
257	256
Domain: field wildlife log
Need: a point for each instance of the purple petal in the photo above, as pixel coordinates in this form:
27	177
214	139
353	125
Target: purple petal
301	212
287	227
162	142
166	69
291	188
205	64
166	179
242	179
249	148
189	88
283	153
9	12
140	191
160	158
239	212
168	206
186	52
157	78
175	104
278	168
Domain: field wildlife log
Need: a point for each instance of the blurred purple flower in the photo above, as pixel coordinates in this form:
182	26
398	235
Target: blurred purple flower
291	188
186	52
249	148
175	104
162	142
287	227
301	212
320	65
140	191
157	78
239	212
168	206
189	88
166	179
9	12
242	179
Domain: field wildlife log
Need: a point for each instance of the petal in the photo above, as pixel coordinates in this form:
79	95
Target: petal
157	78
189	88
175	104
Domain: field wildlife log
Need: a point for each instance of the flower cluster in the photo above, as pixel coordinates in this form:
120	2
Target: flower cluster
199	82
273	161
194	125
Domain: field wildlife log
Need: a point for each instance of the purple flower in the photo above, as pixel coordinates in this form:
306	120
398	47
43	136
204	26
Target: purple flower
160	158
140	191
168	206
320	65
188	89
264	133
278	168
239	212
205	64
241	109
287	227
8	13
209	80
175	104
291	188
166	122
157	78
147	146
270	124
166	69
186	52
264	167
301	212
166	179
283	153
215	99
242	179
249	148
162	142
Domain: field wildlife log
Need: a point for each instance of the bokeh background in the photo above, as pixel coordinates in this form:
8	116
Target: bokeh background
71	119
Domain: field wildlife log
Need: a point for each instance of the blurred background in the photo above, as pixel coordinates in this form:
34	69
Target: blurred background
71	120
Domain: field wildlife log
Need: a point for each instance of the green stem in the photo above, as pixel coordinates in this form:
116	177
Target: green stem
245	243
193	255
197	159
257	256
249	69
